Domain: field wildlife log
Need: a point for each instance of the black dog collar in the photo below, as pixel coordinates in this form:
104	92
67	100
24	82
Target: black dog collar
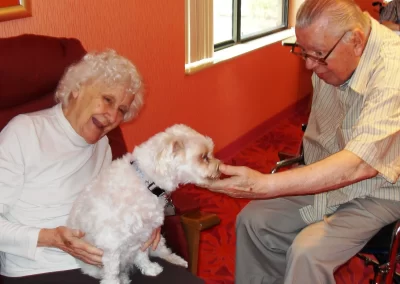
150	185
155	189
169	208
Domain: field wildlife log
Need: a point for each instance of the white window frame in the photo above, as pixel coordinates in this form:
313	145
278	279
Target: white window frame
199	38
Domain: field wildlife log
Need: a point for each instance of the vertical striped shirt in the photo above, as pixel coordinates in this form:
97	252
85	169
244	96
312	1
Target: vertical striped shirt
363	117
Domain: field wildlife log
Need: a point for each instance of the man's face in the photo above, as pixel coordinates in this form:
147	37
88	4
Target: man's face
318	41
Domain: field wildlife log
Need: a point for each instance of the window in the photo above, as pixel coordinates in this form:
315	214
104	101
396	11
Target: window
238	21
212	25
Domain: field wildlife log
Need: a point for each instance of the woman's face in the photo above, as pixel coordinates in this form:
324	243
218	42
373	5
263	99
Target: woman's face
95	110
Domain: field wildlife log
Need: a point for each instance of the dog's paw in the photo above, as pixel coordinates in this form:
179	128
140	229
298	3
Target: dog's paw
176	259
153	269
110	281
124	279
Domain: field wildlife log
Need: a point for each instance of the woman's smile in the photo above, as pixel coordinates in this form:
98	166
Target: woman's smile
97	123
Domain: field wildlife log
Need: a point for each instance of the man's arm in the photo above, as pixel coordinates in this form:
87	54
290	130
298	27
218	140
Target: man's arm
336	171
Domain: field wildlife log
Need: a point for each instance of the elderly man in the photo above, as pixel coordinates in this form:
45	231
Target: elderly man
314	218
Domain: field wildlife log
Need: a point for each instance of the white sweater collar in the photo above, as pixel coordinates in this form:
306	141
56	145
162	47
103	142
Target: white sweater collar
74	137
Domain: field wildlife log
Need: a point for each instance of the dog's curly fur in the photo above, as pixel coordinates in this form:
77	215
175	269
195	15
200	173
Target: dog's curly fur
117	211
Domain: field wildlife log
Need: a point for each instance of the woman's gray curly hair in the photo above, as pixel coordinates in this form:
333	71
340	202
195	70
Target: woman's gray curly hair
106	67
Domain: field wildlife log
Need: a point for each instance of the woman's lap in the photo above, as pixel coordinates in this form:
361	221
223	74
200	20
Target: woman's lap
170	274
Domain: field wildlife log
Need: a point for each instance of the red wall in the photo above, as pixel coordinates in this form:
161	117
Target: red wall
224	101
8	3
366	5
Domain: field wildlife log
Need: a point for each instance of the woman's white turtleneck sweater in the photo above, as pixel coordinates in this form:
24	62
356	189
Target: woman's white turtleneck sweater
44	165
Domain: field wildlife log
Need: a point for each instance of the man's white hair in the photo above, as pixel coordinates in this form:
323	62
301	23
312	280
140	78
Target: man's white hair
107	68
343	15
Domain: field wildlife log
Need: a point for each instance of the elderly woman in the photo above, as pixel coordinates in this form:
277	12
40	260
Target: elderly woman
47	157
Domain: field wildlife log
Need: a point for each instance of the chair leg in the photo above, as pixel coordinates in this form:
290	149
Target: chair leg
193	223
193	237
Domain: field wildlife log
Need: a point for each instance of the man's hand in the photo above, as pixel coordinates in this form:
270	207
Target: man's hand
153	241
71	242
242	183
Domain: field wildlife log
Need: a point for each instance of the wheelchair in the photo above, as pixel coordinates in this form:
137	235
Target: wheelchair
384	245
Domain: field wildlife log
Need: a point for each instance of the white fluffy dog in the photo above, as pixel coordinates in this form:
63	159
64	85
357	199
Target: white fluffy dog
118	212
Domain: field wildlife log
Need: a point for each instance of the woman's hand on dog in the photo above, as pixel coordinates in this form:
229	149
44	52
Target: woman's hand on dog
153	241
242	182
71	242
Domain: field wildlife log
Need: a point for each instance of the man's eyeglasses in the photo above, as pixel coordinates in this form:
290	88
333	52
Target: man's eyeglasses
297	50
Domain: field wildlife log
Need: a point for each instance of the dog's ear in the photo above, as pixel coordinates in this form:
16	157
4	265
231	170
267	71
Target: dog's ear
172	147
164	158
177	145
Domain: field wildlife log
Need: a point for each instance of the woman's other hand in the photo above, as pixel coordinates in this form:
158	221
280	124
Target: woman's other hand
153	241
71	242
242	182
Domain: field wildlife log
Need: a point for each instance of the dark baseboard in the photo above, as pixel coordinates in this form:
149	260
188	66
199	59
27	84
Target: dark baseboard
232	148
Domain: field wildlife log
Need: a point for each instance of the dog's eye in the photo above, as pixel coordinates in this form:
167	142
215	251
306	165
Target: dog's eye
205	158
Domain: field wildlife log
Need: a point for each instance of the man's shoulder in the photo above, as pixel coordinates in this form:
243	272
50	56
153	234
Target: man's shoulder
380	63
387	66
387	42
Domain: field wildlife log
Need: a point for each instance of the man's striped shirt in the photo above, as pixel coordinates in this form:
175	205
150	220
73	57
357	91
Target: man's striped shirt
363	117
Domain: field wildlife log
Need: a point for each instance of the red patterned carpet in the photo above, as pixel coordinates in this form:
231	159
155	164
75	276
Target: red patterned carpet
217	247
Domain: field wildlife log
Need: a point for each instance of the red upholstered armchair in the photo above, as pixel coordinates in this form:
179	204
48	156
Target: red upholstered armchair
31	66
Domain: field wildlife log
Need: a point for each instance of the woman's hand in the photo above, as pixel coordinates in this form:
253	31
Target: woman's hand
71	242
242	183
153	241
